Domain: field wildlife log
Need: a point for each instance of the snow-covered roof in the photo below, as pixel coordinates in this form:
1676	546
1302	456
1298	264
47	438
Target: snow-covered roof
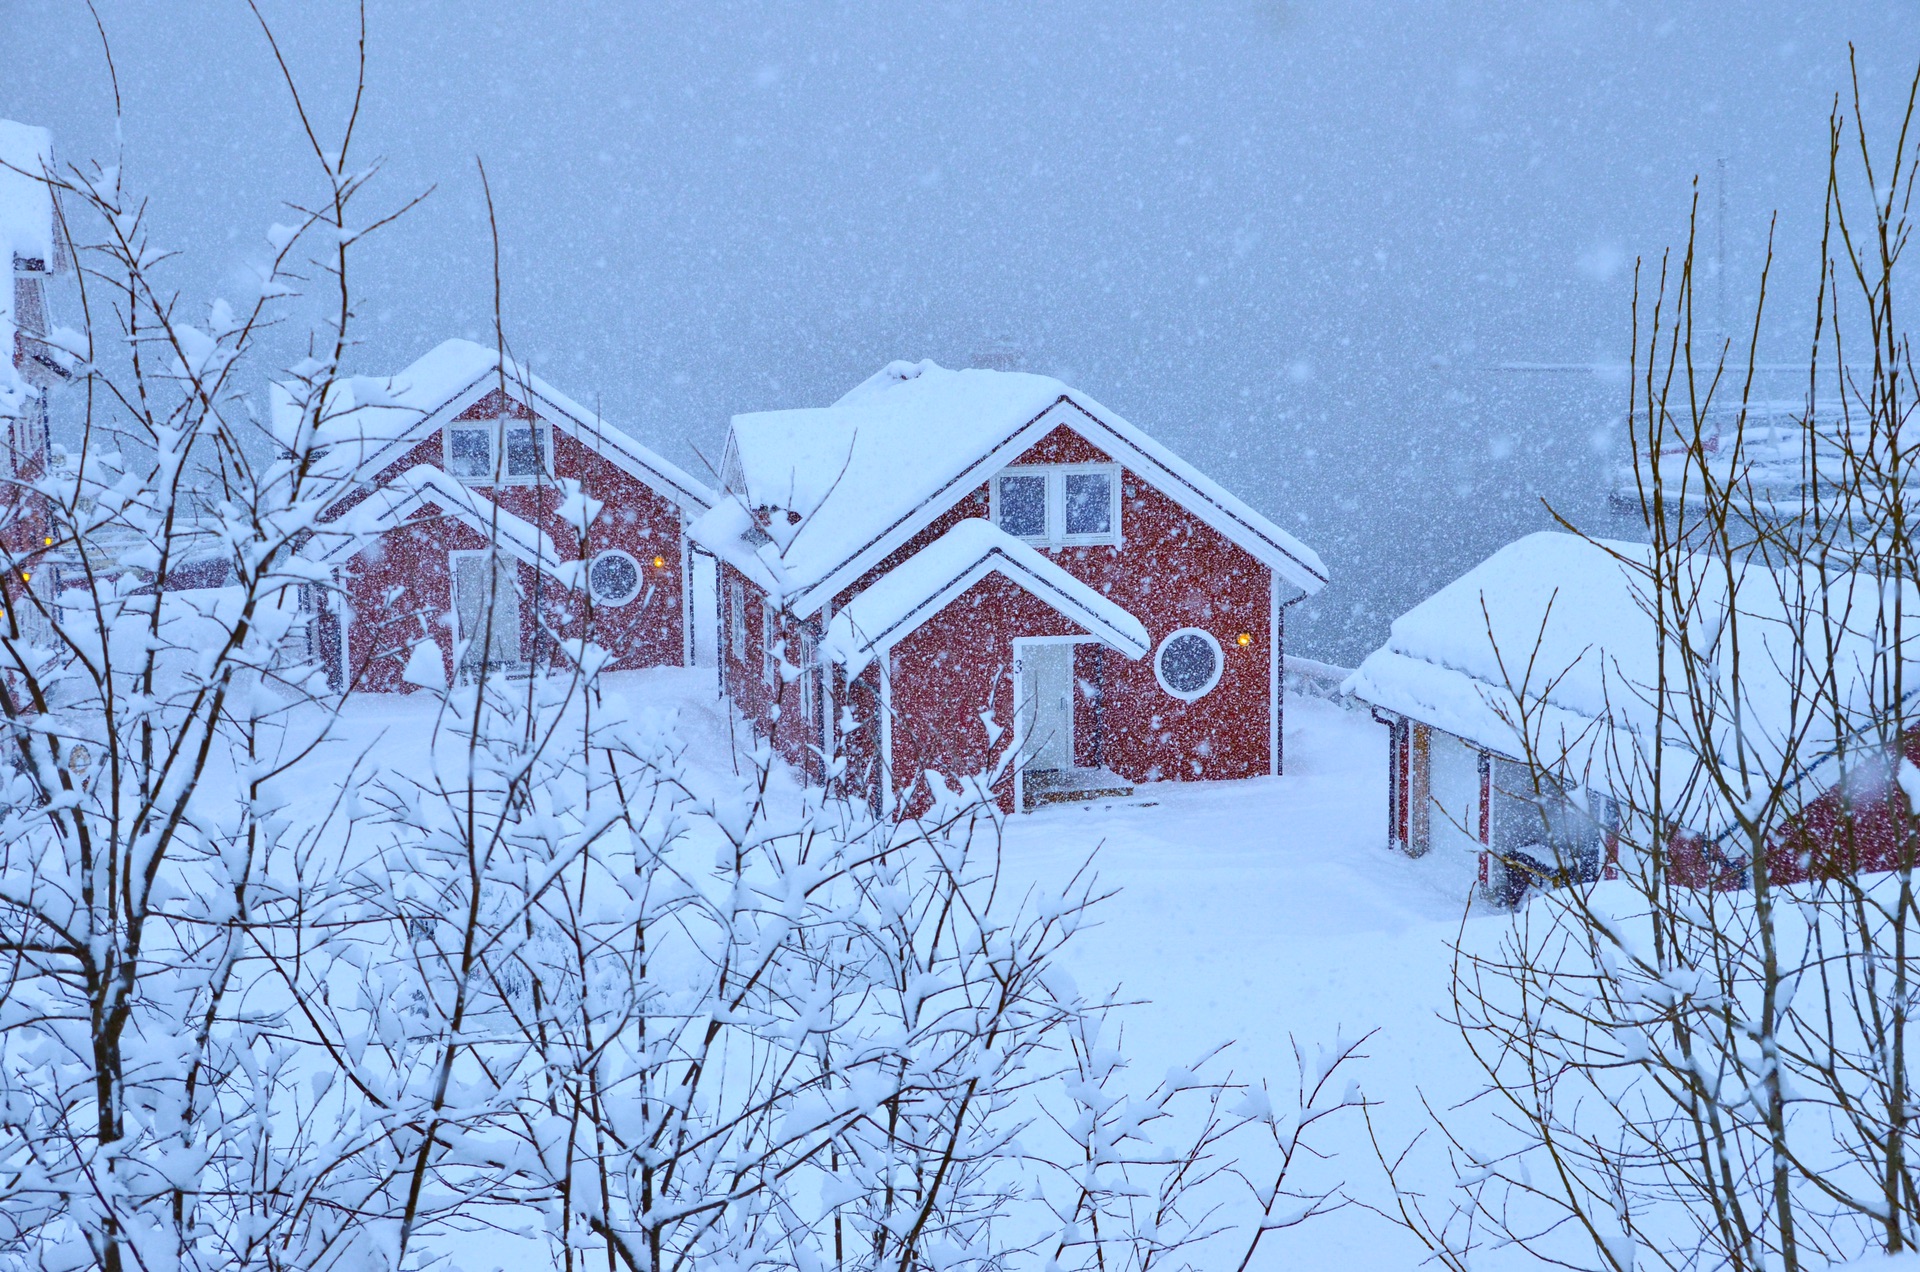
864	475
424	489
1556	632
1554	603
27	232
26	239
368	421
932	578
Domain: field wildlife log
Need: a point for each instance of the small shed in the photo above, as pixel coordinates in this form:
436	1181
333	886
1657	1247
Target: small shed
1520	701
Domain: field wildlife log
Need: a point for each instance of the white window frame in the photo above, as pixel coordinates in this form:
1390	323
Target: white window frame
475	426
769	659
807	660
1219	664
737	620
496	430
1056	475
639	577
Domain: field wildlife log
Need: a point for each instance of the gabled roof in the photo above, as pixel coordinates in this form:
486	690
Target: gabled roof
1551	603
1563	623
866	474
425	490
932	578
370	421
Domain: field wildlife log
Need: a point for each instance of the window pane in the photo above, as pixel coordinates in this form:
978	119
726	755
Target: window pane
470	452
1187	663
523	453
1089	503
1023	505
613	577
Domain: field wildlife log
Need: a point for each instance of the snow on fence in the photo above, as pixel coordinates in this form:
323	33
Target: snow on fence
1318	680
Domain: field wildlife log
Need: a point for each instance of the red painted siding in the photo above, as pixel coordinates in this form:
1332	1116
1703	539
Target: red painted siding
950	670
1171	571
776	707
400	590
647	631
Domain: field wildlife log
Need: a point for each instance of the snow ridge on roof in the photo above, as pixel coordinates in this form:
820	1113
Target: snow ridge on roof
862	476
932	578
368	420
423	488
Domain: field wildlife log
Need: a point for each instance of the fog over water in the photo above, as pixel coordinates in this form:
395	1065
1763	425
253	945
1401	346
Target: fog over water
1354	259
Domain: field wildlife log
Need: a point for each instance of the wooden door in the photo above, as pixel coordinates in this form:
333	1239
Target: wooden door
1046	683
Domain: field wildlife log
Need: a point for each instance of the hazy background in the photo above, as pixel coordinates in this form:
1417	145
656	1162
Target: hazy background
1357	260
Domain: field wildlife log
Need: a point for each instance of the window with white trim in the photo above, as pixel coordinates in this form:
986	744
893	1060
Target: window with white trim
809	655
613	578
525	452
499	452
769	645
737	620
1059	505
470	451
1188	664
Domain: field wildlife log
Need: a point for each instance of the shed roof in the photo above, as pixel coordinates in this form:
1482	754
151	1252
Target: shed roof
369	421
862	476
932	578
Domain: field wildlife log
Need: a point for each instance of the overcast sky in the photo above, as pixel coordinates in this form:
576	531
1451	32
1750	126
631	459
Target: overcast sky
1302	243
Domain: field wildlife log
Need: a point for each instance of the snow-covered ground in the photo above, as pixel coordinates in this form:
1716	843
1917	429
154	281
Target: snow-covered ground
1258	911
1270	910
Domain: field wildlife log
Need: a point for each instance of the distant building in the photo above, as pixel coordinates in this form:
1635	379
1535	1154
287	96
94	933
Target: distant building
1764	451
457	461
35	251
987	576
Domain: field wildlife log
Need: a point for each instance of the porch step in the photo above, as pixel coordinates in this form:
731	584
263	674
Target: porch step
1074	785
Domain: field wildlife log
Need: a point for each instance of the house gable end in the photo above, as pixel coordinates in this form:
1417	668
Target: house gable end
523	399
1041	436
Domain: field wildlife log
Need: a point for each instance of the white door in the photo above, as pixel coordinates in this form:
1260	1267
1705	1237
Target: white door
1046	696
484	613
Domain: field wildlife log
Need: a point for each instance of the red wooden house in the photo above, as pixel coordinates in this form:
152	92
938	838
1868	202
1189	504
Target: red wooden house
953	576
490	516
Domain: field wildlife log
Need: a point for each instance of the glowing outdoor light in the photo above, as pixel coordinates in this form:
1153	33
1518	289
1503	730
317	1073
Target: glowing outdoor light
1243	639
659	563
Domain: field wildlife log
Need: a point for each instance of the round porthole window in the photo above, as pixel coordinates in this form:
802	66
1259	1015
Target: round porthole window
614	577
1187	664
